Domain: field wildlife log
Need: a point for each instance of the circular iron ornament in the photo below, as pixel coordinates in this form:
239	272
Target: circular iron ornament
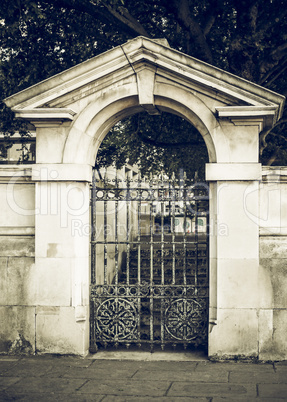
99	194
185	319
116	320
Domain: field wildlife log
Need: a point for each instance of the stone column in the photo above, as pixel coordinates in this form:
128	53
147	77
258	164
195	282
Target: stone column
62	263
234	235
61	274
235	259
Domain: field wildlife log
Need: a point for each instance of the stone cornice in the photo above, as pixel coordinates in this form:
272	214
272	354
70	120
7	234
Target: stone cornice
259	114
154	55
57	114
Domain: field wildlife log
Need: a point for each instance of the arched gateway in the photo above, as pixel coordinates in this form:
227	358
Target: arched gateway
72	113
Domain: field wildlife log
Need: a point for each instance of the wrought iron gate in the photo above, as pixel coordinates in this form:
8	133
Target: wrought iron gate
149	251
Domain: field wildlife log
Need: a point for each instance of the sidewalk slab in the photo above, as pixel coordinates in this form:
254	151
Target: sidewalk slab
188	375
272	391
127	387
45	385
147	356
69	379
51	397
111	398
212	390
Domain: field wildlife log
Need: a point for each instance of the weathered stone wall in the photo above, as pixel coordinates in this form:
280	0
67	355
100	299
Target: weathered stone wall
41	279
17	251
273	265
72	112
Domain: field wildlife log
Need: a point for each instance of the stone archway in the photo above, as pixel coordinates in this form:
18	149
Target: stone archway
73	111
89	128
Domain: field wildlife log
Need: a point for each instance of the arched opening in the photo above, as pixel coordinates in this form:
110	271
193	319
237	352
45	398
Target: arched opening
149	244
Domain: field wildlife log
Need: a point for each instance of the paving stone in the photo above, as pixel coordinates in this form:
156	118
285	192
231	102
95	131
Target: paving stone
252	367
111	398
171	375
283	363
49	378
6	382
50	397
212	390
257	378
59	361
100	373
237	367
272	391
240	399
4	366
281	371
23	370
149	365
127	387
45	385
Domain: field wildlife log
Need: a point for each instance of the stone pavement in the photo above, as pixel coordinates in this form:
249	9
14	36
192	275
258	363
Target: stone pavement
106	378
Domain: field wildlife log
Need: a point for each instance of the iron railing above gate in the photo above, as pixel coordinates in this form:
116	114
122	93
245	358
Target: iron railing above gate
149	251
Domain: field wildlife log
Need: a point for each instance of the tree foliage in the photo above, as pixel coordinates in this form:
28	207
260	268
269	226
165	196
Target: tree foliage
247	38
155	143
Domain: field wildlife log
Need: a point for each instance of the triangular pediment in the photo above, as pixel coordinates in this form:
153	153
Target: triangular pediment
121	63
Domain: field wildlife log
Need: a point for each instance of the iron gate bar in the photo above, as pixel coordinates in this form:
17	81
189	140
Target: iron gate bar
119	306
116	236
151	317
128	231
139	231
162	269
105	236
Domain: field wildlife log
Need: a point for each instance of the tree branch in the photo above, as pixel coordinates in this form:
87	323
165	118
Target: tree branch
106	14
263	135
191	26
273	69
215	8
209	24
279	52
126	18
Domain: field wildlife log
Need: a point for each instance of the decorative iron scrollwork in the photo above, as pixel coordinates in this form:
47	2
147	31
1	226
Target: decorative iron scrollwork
117	320
149	278
184	319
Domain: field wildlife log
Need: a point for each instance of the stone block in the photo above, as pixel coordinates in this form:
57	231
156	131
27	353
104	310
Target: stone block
61	172
81	281
237	283
20	290
16	281
235	334
17	335
242	142
3	280
17	202
273	275
272	334
17	246
273	246
233	171
64	212
237	209
50	144
53	281
58	332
